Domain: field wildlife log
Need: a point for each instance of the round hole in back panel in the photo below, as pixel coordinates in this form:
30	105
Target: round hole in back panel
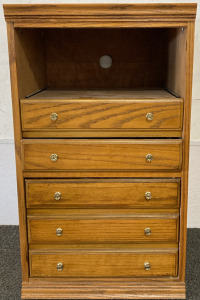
105	61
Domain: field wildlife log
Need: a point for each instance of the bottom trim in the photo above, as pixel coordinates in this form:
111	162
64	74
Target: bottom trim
103	290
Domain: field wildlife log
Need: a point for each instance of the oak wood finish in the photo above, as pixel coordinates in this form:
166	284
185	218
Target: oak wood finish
107	229
18	154
103	174
30	57
103	264
103	133
102	155
154	247
107	114
59	46
113	290
93	193
57	96
100	15
137	94
130	51
177	51
186	136
45	55
99	213
104	114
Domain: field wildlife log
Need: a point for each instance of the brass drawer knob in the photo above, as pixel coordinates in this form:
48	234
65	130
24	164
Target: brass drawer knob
57	195
54	157
149	116
59	231
147	266
149	157
147	231
54	116
60	266
148	195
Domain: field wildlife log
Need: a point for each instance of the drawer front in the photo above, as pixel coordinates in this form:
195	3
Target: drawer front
91	193
104	229
102	155
103	264
101	114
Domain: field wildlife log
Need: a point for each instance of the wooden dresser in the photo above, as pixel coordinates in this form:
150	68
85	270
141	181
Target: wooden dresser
101	105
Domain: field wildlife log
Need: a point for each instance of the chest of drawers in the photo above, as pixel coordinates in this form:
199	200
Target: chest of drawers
101	106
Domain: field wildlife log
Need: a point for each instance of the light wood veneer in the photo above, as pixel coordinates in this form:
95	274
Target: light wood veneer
103	155
102	136
101	114
103	193
103	229
110	264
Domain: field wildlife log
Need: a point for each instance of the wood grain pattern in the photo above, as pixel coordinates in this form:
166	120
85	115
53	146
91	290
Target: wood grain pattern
57	96
76	289
153	94
102	264
153	247
30	56
90	193
186	135
133	65
98	15
102	154
177	51
102	174
18	153
103	229
103	133
100	212
61	23
104	114
59	46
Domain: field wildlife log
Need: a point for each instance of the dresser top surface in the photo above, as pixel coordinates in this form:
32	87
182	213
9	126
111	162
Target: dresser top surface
140	8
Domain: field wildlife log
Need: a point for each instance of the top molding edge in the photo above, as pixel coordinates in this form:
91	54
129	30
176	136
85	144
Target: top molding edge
38	13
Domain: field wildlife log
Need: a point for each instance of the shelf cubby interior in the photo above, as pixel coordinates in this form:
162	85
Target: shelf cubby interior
69	59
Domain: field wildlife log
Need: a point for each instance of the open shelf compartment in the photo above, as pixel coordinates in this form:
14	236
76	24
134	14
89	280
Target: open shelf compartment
102	65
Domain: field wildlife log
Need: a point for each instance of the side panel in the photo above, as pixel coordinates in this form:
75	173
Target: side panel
18	152
186	145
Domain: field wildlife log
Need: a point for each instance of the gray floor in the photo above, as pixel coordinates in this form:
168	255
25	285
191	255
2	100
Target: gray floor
10	274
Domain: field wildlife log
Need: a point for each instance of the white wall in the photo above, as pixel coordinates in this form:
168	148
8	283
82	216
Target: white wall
8	199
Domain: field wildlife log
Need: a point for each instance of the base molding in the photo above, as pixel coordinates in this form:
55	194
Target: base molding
103	290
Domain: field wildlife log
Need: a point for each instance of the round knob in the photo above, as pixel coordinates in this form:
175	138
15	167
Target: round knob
147	231
149	157
147	266
60	266
54	116
148	195
54	157
57	196
149	116
59	231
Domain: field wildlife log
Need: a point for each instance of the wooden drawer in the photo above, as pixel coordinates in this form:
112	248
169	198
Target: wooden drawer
106	114
91	193
104	263
91	227
102	155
